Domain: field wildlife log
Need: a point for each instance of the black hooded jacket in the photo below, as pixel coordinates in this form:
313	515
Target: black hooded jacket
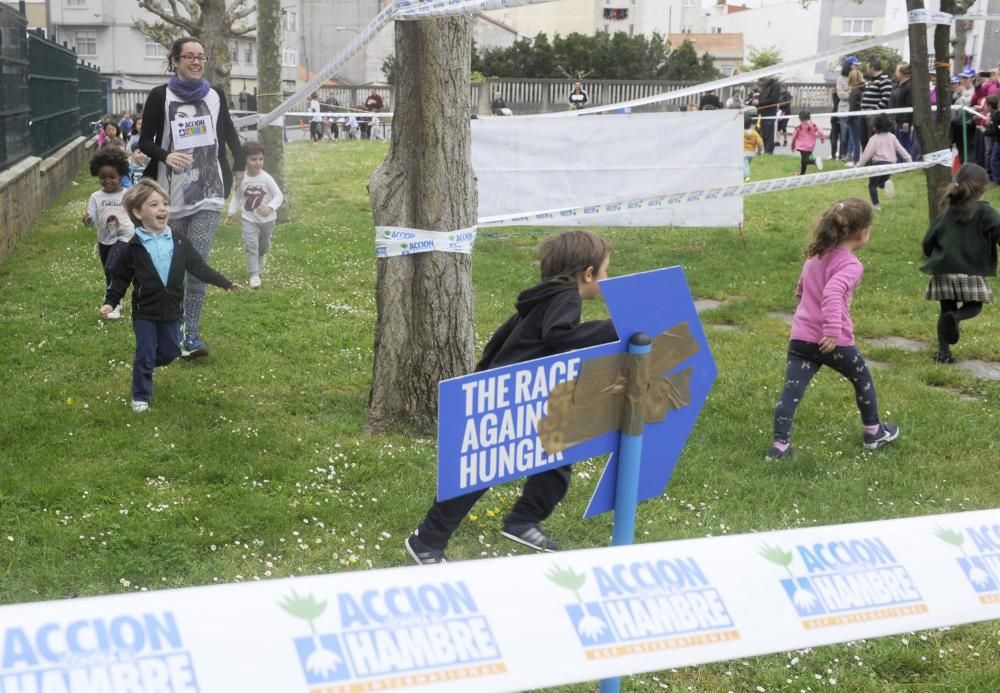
547	322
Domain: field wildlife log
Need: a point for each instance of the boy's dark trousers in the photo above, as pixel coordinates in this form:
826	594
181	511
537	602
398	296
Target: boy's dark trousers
876	182
156	344
541	494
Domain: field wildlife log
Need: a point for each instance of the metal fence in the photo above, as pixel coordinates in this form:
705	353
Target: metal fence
15	111
47	97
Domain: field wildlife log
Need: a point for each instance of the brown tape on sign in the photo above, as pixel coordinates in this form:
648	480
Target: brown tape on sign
595	403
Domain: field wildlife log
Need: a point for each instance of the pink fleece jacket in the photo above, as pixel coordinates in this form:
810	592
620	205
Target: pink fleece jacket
825	290
804	137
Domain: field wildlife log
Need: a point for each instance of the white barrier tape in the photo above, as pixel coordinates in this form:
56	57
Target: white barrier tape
942	157
732	81
338	61
936	17
841	114
445	8
518	623
393	241
363	115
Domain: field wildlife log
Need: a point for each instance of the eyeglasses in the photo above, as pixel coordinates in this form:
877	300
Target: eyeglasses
190	58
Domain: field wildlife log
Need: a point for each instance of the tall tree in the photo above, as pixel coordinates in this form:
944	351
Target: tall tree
269	94
424	325
213	22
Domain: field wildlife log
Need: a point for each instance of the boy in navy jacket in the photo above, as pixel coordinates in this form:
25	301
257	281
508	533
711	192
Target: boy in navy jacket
547	322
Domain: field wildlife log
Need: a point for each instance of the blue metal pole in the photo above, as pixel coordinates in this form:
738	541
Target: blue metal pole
629	458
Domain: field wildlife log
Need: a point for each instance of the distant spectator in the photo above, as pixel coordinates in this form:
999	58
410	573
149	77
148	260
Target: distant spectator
963	126
710	98
735	99
499	106
875	96
767	105
856	83
784	110
373	103
578	98
107	132
125	125
902	97
316	121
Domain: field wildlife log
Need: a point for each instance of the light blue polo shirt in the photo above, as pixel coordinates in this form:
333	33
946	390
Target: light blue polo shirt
160	249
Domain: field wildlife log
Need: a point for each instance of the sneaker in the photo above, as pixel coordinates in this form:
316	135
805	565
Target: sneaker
255	282
421	552
192	347
890	189
886	433
116	314
849	164
776	454
530	534
878	208
746	179
944	357
139	406
819	163
950	324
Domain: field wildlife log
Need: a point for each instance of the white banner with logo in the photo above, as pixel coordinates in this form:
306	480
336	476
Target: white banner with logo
513	624
393	241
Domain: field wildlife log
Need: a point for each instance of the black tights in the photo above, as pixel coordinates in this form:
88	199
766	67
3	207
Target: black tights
969	309
807	158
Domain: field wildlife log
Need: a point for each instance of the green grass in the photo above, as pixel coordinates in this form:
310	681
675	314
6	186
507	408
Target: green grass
253	463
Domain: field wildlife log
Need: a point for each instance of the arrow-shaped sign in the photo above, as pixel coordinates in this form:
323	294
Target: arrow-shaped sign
496	426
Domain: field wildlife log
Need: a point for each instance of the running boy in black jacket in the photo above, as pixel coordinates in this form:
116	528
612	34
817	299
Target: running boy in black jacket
154	263
547	322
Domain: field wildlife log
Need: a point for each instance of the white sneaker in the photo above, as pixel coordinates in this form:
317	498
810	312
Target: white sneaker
138	406
116	313
255	282
849	164
890	189
819	163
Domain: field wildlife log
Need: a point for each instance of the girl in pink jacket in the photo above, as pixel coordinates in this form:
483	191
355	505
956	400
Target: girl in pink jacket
822	329
804	141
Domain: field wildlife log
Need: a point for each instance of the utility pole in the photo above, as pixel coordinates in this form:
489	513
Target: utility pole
271	137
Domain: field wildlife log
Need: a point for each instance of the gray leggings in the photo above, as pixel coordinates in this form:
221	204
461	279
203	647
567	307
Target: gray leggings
200	229
256	241
804	361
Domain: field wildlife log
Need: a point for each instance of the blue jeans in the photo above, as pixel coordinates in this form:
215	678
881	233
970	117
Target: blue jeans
855	145
747	158
905	139
156	344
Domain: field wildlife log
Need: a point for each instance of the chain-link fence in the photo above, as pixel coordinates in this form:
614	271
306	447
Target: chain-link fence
15	111
55	115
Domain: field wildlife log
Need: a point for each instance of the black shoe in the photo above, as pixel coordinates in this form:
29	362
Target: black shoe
944	357
776	454
886	433
949	321
422	553
530	534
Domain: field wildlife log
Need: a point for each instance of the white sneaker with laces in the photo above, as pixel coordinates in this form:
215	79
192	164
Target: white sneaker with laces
819	163
890	189
138	406
255	281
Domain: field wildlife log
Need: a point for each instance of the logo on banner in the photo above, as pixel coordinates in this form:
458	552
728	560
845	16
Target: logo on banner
391	638
645	606
846	582
981	569
121	654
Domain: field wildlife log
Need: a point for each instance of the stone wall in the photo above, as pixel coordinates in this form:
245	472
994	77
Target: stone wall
29	187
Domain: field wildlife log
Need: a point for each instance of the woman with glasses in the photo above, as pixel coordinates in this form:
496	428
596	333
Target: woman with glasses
186	128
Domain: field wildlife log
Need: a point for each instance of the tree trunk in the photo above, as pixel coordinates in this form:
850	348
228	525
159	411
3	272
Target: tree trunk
424	330
933	128
214	29
271	138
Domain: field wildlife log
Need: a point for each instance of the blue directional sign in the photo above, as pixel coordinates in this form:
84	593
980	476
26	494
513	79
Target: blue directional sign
488	421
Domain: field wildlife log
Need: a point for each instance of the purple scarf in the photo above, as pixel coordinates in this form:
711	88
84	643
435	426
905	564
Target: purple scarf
194	90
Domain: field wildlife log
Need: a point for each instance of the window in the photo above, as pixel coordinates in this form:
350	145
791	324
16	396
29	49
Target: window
86	43
858	27
688	3
76	3
248	53
234	51
615	13
154	49
290	20
289	57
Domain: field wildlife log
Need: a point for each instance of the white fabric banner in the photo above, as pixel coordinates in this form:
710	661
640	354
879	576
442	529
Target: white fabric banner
393	241
513	624
552	163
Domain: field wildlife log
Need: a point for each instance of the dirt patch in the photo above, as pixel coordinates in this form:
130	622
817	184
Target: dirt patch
783	317
986	370
723	326
703	304
894	342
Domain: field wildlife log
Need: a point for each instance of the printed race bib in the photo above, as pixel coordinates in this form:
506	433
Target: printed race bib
190	132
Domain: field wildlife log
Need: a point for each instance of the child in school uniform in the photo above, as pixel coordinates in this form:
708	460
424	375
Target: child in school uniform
961	251
882	148
154	263
547	322
804	141
753	145
258	196
106	211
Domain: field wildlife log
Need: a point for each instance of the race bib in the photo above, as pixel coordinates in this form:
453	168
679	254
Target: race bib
190	132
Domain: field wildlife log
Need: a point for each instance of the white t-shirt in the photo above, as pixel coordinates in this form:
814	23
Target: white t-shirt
189	127
256	192
110	218
314	108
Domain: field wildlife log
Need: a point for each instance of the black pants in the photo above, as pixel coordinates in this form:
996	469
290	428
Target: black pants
864	132
876	182
807	158
767	131
804	361
969	309
834	136
316	131
541	494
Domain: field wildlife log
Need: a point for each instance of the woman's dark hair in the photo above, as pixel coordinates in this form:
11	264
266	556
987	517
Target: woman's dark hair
175	51
883	123
962	196
845	69
843	220
109	157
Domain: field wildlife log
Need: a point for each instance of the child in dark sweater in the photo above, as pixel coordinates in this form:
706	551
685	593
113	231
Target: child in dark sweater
154	263
547	322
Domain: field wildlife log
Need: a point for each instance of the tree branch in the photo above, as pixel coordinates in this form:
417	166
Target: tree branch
154	7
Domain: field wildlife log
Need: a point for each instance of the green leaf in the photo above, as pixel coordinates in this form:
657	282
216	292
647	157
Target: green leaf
566	577
303	607
776	555
949	535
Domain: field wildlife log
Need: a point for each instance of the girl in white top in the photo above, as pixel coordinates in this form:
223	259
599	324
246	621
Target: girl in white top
106	211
